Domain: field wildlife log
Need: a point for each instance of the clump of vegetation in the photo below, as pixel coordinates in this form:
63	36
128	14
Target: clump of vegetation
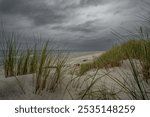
49	70
43	62
10	49
135	49
132	85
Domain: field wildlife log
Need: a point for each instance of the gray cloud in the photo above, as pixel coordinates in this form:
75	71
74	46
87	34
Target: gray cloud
39	12
87	27
82	23
102	43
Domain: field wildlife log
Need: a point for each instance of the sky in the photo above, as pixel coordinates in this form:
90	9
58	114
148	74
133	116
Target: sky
73	24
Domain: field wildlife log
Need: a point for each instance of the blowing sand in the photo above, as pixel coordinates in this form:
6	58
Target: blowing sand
71	86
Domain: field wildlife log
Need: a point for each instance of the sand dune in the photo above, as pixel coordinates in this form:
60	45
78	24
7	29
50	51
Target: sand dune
22	87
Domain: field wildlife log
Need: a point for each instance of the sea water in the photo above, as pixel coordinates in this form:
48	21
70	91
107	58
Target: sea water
71	54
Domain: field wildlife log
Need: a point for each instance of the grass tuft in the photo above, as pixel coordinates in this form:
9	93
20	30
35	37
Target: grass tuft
136	49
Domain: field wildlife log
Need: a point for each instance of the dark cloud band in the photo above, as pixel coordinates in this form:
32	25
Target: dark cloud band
86	21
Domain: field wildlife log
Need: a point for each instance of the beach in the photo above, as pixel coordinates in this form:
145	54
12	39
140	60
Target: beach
71	86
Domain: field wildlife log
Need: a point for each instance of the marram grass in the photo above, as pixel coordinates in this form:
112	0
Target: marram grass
136	49
44	63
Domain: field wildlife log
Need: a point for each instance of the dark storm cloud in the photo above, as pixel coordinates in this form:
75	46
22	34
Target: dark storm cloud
82	23
11	6
94	2
103	43
40	13
87	27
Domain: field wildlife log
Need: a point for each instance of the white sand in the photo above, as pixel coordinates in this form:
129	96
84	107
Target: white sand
83	57
10	88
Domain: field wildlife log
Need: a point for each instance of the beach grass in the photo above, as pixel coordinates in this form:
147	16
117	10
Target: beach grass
134	86
135	49
41	60
10	46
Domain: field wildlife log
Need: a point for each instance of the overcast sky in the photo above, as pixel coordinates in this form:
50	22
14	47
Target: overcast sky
77	24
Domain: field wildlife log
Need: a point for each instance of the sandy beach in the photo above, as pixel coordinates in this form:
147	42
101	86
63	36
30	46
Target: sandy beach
71	86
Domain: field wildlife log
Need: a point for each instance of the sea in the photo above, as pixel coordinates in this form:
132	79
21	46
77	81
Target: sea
71	54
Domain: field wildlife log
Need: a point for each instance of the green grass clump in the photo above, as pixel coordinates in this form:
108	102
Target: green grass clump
10	49
131	84
135	49
16	59
40	60
49	70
